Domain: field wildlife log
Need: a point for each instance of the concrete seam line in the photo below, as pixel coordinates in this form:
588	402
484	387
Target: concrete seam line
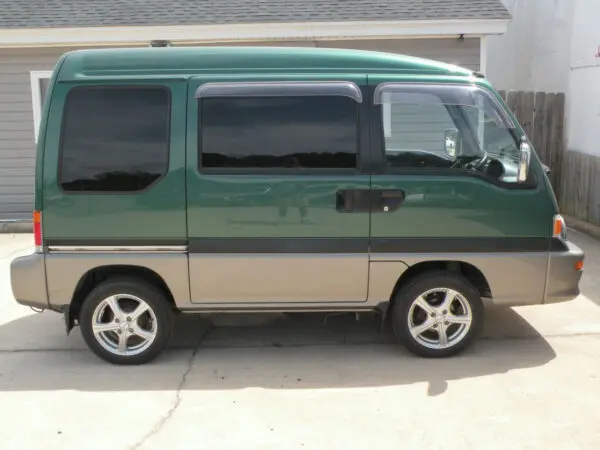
161	423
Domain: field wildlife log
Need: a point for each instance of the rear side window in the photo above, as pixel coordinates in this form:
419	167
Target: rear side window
114	139
293	132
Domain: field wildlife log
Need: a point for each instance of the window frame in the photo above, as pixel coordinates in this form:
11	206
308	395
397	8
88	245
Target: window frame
266	89
378	137
37	102
90	87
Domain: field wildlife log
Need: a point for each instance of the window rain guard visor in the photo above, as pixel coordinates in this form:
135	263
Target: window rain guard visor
449	94
280	89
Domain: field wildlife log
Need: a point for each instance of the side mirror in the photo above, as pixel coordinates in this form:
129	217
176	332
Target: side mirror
452	141
524	161
547	169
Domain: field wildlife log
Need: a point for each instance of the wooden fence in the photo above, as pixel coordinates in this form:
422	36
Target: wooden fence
580	189
575	176
542	117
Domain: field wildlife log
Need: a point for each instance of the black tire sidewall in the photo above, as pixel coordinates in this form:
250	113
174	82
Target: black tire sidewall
153	296
418	286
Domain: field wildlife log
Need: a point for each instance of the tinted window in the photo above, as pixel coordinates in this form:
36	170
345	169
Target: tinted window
275	132
448	129
114	139
415	134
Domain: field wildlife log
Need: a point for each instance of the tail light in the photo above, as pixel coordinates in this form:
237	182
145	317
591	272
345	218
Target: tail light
559	228
37	230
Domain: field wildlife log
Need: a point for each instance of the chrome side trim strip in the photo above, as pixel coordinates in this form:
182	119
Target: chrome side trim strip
118	249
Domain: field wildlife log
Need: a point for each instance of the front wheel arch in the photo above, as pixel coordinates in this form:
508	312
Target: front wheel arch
440	312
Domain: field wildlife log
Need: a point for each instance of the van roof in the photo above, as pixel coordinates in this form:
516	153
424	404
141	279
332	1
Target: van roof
177	62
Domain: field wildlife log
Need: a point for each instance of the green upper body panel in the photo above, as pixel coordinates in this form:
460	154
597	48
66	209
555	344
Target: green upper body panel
186	203
189	61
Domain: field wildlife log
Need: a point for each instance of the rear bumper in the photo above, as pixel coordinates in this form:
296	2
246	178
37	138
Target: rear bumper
28	280
563	279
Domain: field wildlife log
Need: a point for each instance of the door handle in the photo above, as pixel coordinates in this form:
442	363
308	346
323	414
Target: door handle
353	200
396	194
369	200
387	200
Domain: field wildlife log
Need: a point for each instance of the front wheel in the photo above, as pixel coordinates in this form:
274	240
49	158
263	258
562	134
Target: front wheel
126	321
437	314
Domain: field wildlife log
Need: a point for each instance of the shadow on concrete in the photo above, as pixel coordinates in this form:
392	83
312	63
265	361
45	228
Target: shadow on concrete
277	352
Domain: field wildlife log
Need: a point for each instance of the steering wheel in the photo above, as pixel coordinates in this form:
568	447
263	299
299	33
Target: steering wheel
484	159
481	161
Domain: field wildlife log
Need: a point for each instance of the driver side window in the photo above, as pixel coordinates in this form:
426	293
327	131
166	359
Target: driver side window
415	132
448	127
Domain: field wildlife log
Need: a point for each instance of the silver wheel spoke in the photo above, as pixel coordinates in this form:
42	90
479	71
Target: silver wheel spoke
463	320
419	329
113	304
144	334
102	327
448	299
441	328
422	303
123	342
114	336
141	309
443	335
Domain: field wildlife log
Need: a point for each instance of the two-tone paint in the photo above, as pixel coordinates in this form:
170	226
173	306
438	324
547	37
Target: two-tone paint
213	236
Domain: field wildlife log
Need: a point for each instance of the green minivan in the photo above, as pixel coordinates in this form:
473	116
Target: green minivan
225	179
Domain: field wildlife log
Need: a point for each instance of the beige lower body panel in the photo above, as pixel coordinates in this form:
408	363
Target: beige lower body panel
383	276
64	270
28	280
563	276
515	279
296	282
278	279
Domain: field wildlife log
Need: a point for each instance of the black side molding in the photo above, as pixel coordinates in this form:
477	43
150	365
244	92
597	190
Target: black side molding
334	245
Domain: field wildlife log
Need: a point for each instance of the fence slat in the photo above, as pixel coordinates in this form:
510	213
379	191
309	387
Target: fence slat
541	115
512	98
566	205
539	135
527	111
555	143
594	192
580	184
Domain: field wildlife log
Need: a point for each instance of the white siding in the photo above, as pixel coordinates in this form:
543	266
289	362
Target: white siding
450	50
17	147
419	127
534	52
583	98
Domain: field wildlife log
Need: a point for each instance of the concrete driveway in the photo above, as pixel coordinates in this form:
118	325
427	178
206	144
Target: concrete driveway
296	383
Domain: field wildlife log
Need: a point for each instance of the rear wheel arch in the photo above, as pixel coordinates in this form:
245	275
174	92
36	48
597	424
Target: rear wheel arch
97	275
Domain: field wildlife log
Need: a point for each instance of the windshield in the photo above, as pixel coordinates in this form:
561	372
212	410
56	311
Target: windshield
448	121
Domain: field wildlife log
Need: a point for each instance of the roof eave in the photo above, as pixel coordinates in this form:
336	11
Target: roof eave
248	32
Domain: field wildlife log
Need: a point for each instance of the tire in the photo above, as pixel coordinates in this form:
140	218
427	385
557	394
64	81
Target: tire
420	326
145	336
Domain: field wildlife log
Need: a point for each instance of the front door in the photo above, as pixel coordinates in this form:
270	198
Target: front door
450	152
278	208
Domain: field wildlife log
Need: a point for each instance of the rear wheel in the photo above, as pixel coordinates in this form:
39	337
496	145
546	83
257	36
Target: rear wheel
437	314
126	321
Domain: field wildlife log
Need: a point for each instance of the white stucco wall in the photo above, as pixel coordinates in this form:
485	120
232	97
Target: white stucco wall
534	52
583	95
